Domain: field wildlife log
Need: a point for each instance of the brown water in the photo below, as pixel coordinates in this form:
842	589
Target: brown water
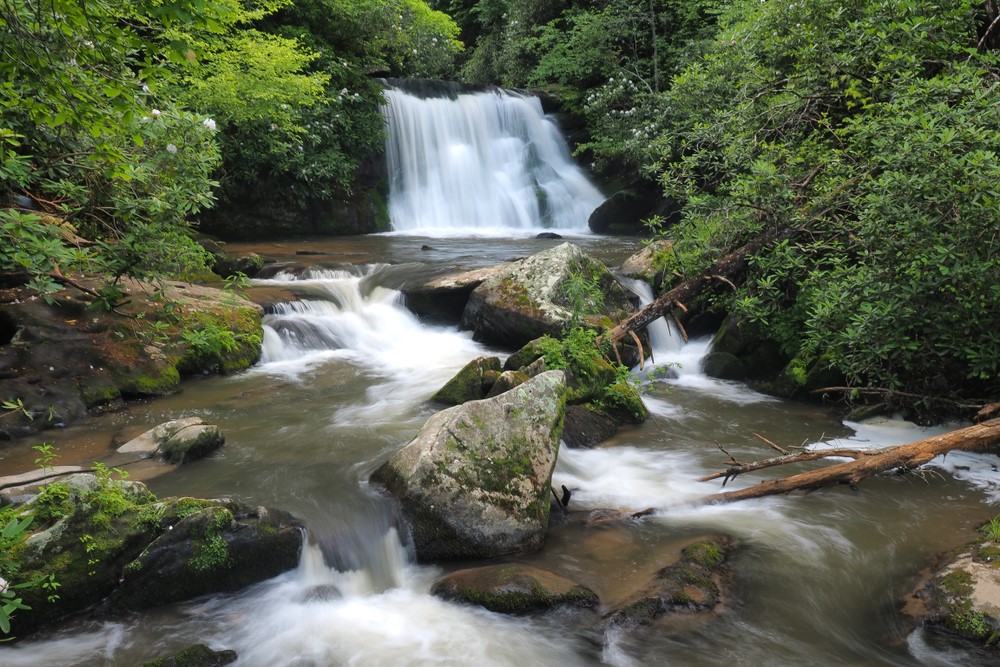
818	579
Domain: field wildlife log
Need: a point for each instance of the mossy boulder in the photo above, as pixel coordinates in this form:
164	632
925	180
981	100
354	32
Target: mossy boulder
474	482
530	298
648	264
507	381
220	546
111	542
587	426
471	383
962	598
513	589
693	584
760	358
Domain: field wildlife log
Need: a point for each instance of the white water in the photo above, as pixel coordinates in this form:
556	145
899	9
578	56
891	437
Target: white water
807	565
345	315
485	163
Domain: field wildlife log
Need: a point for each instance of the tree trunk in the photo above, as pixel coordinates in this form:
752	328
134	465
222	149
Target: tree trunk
976	438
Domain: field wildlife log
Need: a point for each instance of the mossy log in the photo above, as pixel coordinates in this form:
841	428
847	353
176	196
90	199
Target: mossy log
976	438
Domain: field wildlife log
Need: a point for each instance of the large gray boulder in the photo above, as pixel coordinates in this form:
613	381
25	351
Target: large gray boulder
474	483
529	298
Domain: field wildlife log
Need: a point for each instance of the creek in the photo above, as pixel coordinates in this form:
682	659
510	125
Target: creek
345	380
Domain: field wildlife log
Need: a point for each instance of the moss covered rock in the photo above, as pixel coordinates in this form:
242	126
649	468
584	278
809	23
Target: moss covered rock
962	598
107	539
693	584
529	298
513	589
474	482
471	383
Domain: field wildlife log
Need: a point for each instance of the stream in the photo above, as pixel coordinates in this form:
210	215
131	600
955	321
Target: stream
344	380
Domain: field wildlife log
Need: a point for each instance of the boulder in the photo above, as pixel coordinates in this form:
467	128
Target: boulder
471	383
962	598
177	441
218	547
529	298
507	381
587	426
513	589
20	488
647	264
474	482
113	541
693	584
446	296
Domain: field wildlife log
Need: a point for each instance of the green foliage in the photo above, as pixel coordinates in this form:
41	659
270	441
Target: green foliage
991	529
873	127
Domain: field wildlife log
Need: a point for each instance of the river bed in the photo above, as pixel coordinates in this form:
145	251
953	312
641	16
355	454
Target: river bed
818	579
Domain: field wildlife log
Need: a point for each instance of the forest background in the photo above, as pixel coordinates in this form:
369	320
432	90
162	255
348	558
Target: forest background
860	136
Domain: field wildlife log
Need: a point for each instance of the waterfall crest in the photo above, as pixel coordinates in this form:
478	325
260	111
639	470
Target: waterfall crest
482	163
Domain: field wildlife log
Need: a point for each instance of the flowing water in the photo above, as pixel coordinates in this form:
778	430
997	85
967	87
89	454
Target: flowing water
345	379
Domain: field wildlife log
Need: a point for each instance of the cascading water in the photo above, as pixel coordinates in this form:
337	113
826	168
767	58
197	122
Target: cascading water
481	163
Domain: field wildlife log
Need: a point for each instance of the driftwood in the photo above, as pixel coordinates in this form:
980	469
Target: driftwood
977	438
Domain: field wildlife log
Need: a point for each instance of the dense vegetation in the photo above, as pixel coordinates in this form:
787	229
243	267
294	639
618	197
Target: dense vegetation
121	122
862	135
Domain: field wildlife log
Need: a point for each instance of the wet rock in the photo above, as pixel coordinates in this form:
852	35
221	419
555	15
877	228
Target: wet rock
507	381
20	488
648	263
471	383
513	589
962	597
177	441
196	655
529	298
693	584
64	360
587	426
446	296
112	541
474	483
221	547
548	235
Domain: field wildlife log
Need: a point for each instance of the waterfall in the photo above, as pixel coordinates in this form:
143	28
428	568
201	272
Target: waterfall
484	163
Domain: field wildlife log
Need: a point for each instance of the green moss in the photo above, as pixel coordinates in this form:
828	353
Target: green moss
210	553
960	616
706	554
150	384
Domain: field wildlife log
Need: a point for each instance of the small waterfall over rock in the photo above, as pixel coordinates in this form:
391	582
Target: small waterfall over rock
485	162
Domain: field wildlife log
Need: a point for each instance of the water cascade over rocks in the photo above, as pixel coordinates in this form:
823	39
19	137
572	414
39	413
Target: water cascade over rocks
487	162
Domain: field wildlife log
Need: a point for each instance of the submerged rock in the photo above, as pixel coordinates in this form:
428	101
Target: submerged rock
474	483
513	589
196	655
529	298
693	584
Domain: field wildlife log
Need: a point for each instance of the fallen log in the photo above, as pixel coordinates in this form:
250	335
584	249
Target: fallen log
726	271
976	438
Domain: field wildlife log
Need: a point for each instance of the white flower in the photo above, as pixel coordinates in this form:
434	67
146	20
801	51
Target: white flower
3	585
209	123
155	113
145	88
171	149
